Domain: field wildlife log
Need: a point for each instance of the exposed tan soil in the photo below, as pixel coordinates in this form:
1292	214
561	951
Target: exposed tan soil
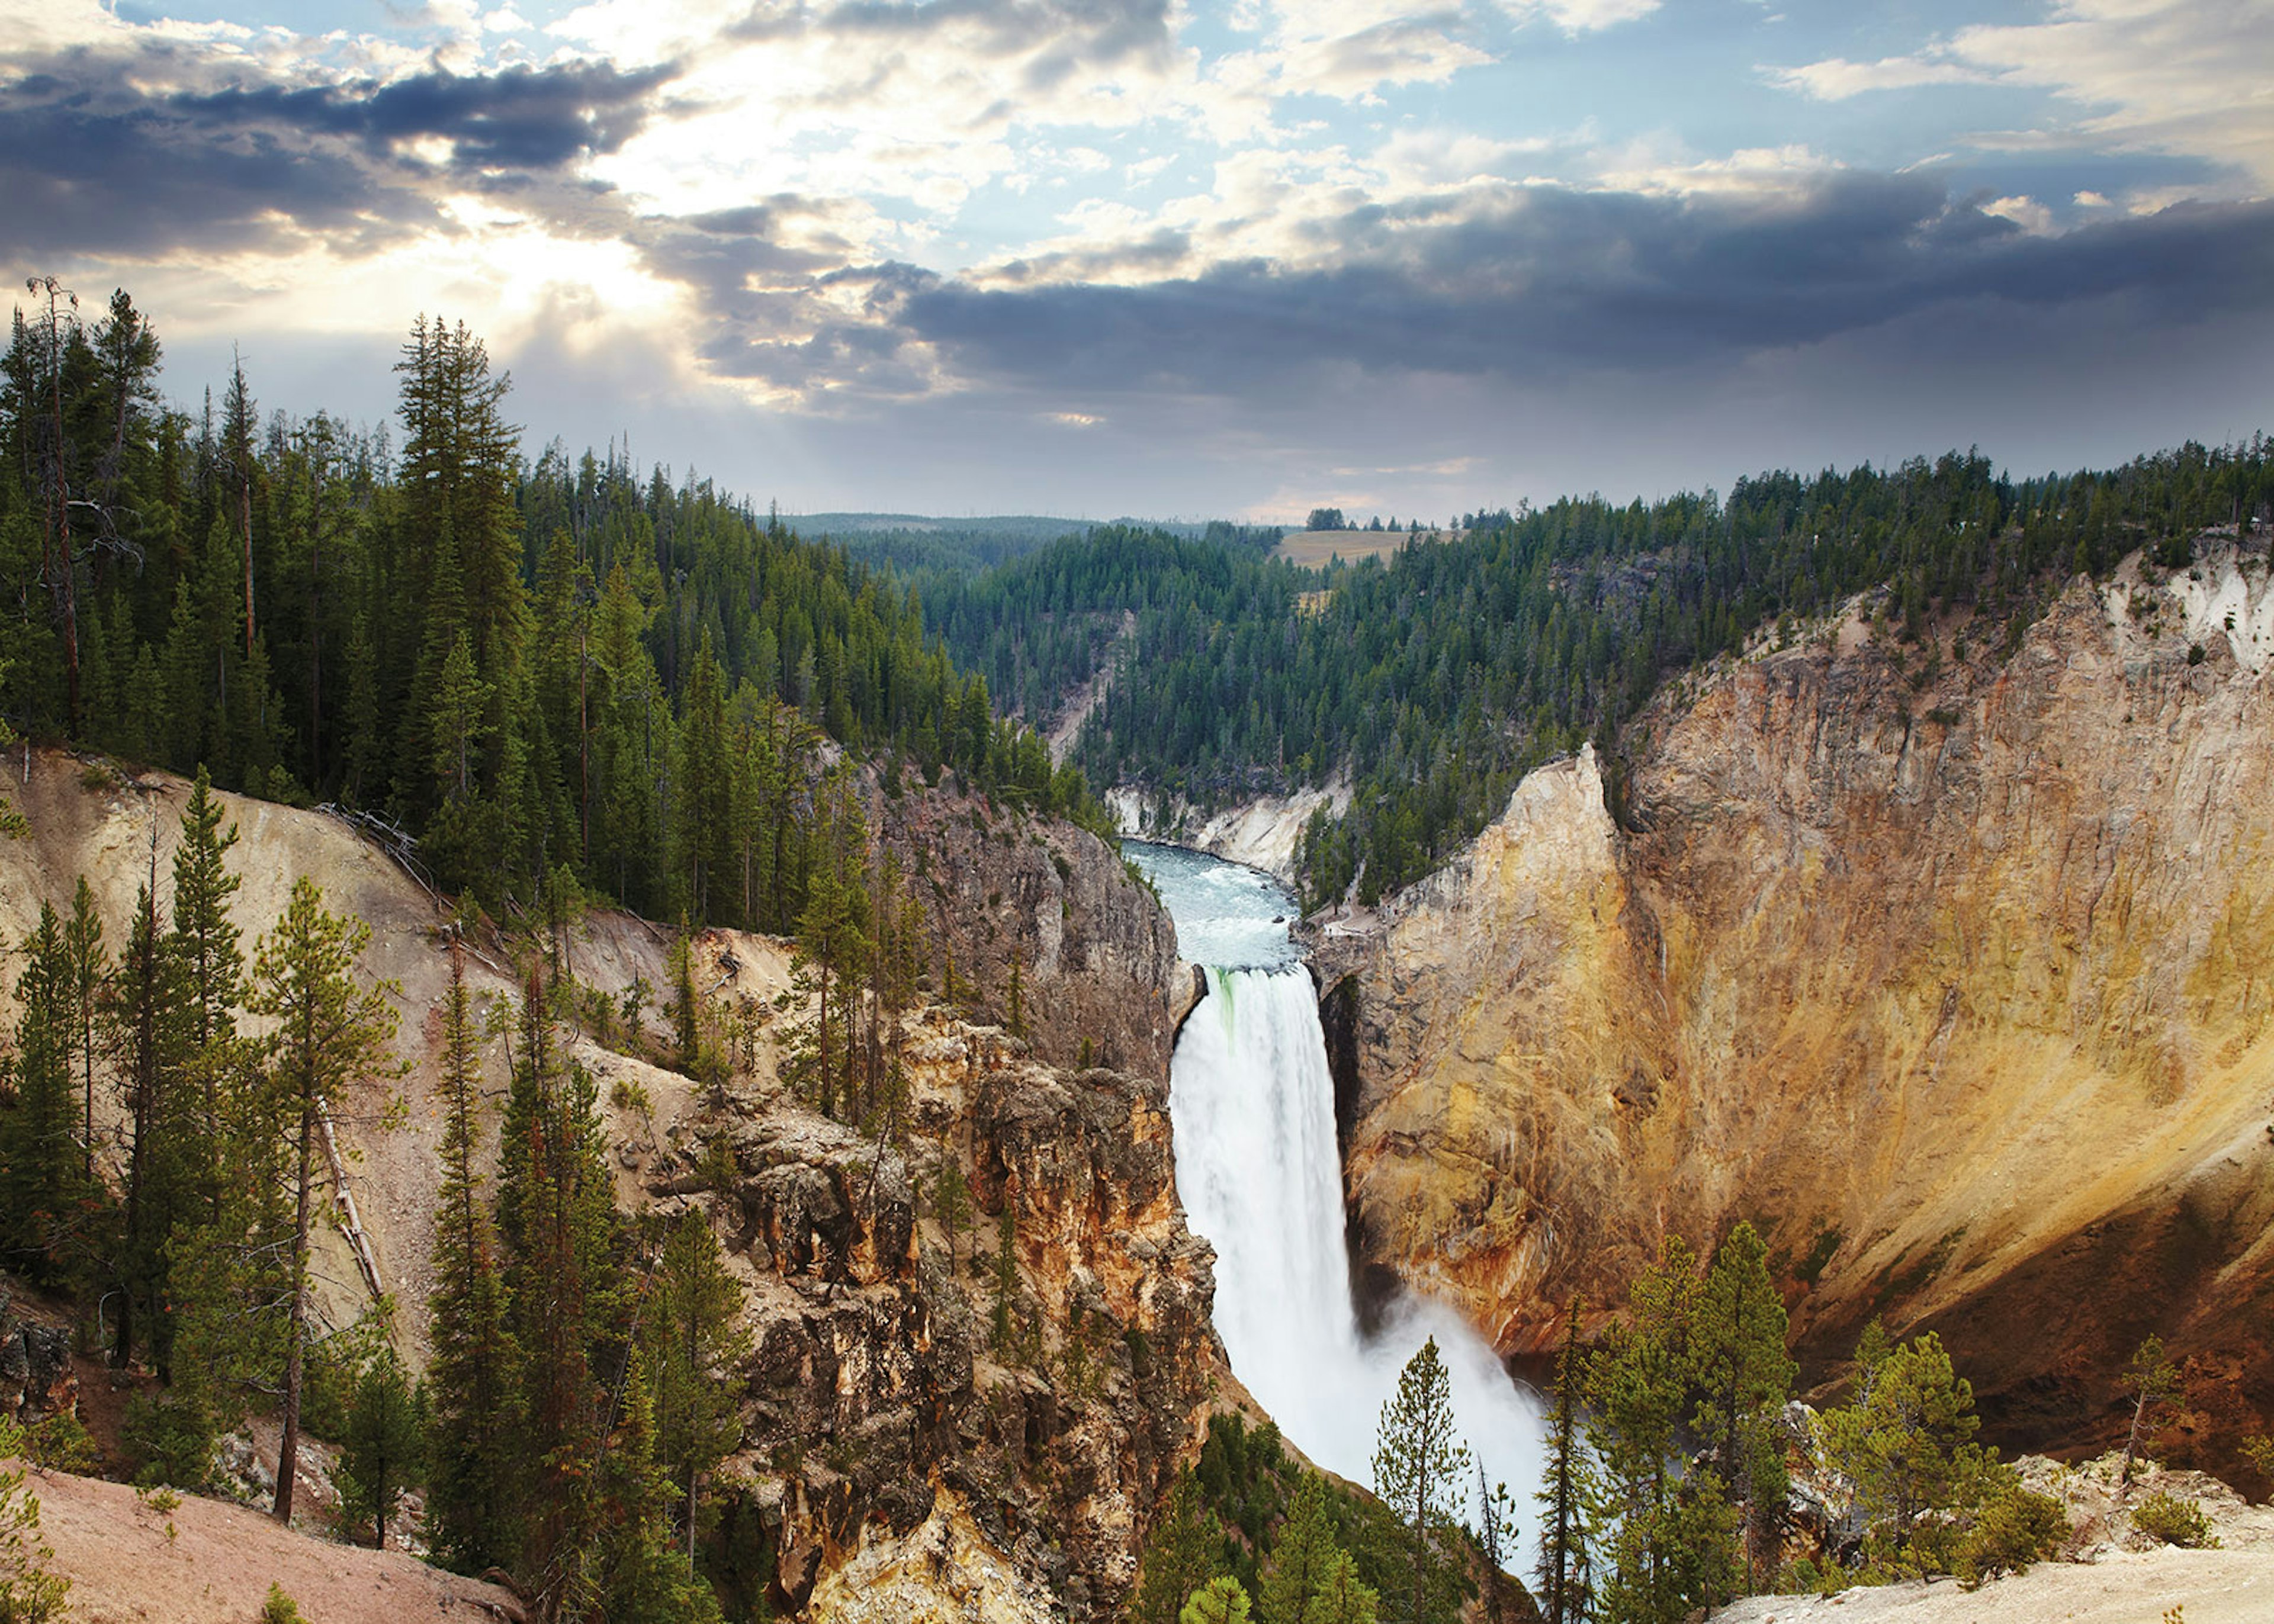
208	1562
1314	548
2211	1587
1065	727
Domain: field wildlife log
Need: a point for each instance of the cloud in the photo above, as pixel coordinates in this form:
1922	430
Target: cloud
2027	212
1836	79
1582	16
92	161
2183	76
1557	283
2167	75
519	118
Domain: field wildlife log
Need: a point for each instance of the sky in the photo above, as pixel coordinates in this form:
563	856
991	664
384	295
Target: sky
1107	257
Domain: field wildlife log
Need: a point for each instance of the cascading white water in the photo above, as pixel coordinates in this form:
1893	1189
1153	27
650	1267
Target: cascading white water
1252	1102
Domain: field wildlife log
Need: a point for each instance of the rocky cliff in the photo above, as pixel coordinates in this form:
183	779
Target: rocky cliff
1951	968
1261	833
898	1433
1094	948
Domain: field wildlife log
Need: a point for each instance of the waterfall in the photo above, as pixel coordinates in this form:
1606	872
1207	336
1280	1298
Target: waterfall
1258	1168
1253	1109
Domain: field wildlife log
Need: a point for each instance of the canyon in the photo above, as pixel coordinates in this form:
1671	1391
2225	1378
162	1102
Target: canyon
1947	964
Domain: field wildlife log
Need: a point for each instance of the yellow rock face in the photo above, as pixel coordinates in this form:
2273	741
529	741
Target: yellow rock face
947	1571
1951	974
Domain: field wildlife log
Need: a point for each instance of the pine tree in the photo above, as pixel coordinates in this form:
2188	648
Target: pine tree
145	1012
695	1340
1672	1545
2152	1380
557	1209
461	533
383	1449
203	946
1179	1555
459	721
472	1511
86	966
1419	1467
1222	1601
634	1575
12	826
1566	1493
950	1202
1300	1560
1743	1379
705	811
329	1036
1343	1597
1007	1276
1495	1541
43	1182
686	1004
1906	1443
832	941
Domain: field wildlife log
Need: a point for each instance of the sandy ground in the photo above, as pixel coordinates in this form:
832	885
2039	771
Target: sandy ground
2120	1577
2122	1587
217	1563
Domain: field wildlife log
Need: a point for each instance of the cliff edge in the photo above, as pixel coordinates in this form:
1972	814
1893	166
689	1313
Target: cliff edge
1950	968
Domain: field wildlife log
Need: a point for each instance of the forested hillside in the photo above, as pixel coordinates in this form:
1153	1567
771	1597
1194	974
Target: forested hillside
545	671
1438	678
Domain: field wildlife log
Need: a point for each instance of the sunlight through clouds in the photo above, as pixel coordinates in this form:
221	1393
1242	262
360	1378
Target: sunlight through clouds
1138	217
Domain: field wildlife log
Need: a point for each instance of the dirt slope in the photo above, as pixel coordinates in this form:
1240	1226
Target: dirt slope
94	819
209	1562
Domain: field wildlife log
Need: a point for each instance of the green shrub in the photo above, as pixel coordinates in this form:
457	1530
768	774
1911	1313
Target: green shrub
627	1094
2175	1521
60	1443
2014	1528
29	1593
280	1608
169	1440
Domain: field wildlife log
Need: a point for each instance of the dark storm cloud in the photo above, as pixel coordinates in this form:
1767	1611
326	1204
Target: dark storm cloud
91	165
1564	283
519	118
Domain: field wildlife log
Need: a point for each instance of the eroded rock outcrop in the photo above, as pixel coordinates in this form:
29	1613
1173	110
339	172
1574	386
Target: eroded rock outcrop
1262	832
1094	948
882	1378
1951	971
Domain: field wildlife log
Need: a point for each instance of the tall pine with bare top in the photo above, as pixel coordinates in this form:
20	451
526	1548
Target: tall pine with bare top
329	1036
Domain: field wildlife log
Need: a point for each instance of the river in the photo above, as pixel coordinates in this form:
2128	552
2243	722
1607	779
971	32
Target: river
1252	1102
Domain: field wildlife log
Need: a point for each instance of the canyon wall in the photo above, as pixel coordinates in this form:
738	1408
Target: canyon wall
1950	968
1260	833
